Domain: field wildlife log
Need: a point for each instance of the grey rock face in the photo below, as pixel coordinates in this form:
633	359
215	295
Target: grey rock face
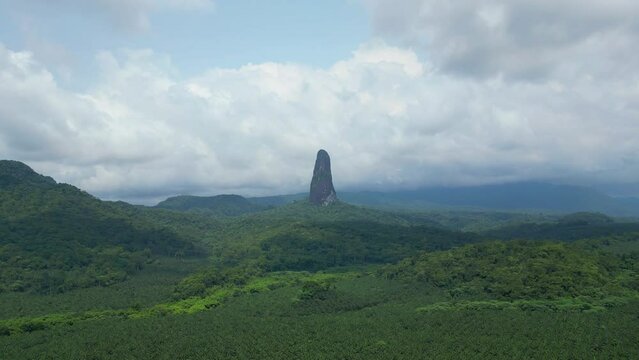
322	190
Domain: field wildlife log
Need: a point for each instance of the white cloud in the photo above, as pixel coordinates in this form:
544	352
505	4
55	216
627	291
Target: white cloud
519	39
129	14
387	119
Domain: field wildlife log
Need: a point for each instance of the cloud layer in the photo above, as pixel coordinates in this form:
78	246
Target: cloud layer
517	39
387	118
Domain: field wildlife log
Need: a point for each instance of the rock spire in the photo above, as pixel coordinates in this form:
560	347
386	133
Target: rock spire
322	190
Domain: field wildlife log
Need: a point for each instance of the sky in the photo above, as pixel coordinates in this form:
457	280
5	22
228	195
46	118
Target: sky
138	100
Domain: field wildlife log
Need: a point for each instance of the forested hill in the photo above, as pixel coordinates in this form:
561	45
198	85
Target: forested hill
225	205
302	236
567	228
15	173
83	278
522	197
54	237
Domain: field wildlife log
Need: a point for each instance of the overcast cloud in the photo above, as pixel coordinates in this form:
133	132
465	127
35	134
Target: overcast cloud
529	39
450	94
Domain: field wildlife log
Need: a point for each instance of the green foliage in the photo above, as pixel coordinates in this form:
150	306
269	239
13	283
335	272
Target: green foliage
152	285
198	283
532	300
212	297
623	244
5	330
16	173
220	205
316	246
568	228
316	290
54	237
472	221
519	270
585	218
30	326
267	325
301	236
579	304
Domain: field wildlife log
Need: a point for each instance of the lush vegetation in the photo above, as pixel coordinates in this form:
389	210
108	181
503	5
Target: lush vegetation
316	246
568	228
357	318
523	270
221	205
474	221
54	237
86	279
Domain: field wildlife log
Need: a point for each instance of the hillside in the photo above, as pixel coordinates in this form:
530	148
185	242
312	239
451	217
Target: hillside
301	236
55	237
15	173
567	228
522	270
221	205
83	278
277	200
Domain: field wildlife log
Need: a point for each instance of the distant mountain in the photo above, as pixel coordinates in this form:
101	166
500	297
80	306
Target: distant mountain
277	200
213	203
525	196
227	205
55	237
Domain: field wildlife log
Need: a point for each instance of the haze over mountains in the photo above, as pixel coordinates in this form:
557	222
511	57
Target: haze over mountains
229	205
525	196
521	196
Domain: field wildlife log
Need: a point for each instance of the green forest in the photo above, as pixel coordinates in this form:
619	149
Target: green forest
223	278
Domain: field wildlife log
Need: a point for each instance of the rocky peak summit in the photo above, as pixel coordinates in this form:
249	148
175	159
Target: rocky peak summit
322	190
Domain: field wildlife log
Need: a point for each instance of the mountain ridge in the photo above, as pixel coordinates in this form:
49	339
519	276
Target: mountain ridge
520	197
55	237
14	172
224	204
